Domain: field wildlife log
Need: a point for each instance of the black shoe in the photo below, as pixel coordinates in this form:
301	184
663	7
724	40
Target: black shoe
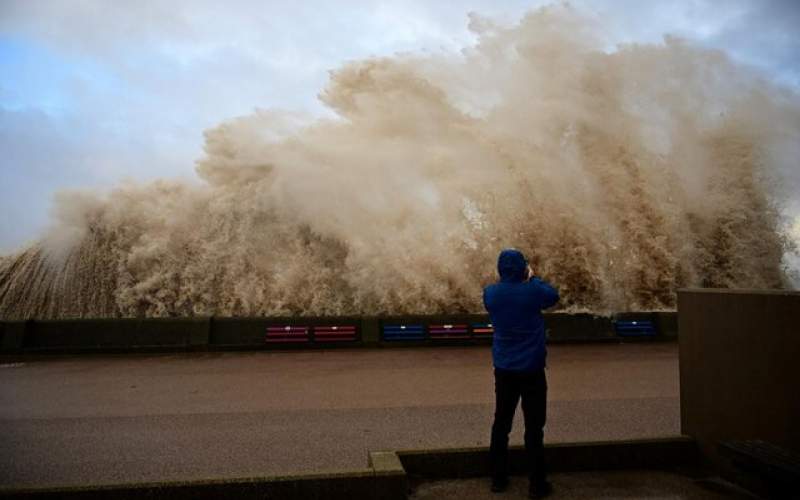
540	490
499	485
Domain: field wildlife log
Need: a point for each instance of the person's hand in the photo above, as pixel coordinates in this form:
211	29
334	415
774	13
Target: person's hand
529	273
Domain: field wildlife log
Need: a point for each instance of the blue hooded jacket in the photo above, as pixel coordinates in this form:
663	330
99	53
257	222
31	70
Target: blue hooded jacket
515	307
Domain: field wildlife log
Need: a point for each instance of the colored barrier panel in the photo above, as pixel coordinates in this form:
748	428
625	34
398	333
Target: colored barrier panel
403	332
482	330
641	328
447	331
335	333
287	334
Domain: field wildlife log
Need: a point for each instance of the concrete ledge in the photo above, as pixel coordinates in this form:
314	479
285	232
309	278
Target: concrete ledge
385	461
604	455
388	473
348	485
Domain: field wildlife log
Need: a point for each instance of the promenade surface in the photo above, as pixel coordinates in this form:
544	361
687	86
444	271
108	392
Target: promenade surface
110	419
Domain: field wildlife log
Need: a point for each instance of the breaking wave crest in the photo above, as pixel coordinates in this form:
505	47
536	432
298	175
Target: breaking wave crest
622	174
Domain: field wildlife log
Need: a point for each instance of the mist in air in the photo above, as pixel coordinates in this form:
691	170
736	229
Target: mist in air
622	174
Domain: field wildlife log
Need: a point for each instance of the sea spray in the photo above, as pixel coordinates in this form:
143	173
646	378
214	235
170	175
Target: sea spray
622	174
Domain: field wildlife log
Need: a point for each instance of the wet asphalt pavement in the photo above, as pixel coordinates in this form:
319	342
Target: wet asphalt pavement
111	419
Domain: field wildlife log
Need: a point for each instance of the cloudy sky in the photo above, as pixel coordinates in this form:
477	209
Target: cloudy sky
92	92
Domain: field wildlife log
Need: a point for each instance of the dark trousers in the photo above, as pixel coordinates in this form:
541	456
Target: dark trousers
509	387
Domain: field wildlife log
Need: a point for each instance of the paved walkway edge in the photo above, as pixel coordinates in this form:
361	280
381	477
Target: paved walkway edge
659	453
370	483
387	474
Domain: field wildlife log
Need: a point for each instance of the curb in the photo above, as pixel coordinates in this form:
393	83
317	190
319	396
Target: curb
388	472
371	483
658	453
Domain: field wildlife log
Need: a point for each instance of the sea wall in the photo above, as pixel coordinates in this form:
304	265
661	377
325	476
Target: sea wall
219	333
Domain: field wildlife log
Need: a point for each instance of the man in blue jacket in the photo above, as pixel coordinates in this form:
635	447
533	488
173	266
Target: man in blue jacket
515	306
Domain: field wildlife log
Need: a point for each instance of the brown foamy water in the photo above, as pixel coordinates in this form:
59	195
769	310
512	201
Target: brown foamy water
622	174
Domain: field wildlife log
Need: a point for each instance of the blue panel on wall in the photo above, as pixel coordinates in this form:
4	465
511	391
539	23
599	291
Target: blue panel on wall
403	332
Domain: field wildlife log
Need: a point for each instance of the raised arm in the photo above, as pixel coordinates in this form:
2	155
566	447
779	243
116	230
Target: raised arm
549	295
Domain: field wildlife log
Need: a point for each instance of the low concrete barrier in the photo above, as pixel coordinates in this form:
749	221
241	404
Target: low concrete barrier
565	327
606	455
366	484
217	333
125	334
238	332
666	324
387	474
12	335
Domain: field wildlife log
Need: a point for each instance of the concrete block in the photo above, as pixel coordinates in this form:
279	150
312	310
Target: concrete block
566	327
370	331
238	331
200	335
391	481
385	461
666	324
175	332
739	352
13	336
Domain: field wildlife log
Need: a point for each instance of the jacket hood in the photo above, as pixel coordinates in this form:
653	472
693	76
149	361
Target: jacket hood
511	265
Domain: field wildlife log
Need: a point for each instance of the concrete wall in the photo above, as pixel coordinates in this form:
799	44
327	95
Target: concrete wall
115	334
575	327
176	334
13	335
238	332
739	367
